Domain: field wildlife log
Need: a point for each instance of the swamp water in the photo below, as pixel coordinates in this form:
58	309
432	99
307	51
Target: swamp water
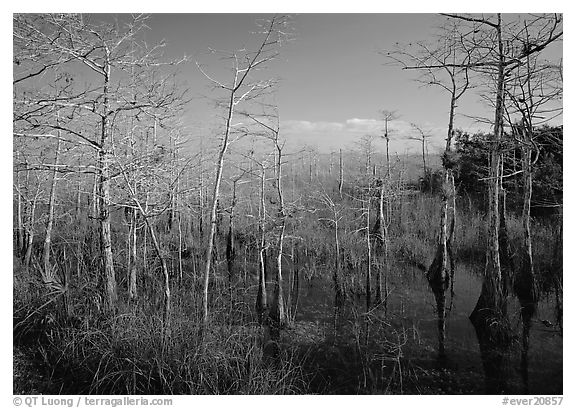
399	354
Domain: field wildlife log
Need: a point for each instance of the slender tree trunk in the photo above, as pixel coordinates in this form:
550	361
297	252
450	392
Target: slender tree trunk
78	205
387	156
441	271
438	274
341	178
230	245
180	249
261	299
80	241
379	235
145	247
51	204
451	234
95	209
277	310
527	264
368	255
338	289
295	284
289	315
240	75
165	275
293	173
525	282
105	235
558	266
132	269
213	211
490	316
104	158
493	255
506	261
424	156
201	194
19	224
133	228
493	275
173	192
30	231
25	212
310	168
178	218
158	250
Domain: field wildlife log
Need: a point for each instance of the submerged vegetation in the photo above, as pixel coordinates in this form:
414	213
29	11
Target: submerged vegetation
140	267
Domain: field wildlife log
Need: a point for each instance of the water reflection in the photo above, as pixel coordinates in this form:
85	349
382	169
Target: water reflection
411	310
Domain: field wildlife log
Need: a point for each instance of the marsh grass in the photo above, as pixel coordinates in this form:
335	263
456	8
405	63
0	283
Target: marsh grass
127	354
87	352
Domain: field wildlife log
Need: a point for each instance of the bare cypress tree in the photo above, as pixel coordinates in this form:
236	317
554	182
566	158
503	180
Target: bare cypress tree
262	296
51	204
341	174
133	240
241	88
231	242
442	64
382	240
472	44
367	150
277	317
146	216
29	227
366	203
19	207
388	116
422	137
335	218
534	94
495	50
62	40
277	310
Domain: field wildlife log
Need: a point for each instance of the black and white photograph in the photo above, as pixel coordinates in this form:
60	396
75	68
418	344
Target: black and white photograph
255	203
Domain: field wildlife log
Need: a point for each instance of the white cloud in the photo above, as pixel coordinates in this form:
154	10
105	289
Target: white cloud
333	135
364	125
307	126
